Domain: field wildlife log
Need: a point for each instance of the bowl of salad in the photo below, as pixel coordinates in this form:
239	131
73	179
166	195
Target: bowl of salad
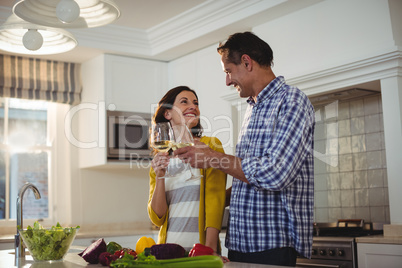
48	244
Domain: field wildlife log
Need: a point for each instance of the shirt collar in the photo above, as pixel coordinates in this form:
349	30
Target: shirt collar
268	91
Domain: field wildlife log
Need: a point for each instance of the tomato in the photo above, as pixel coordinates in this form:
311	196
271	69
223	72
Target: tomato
132	253
120	253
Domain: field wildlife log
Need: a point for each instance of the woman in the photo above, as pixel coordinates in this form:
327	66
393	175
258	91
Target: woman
188	212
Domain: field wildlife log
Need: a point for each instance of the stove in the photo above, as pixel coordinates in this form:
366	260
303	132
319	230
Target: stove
334	244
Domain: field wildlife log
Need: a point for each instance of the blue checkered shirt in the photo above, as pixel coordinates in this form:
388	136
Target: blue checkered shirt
276	147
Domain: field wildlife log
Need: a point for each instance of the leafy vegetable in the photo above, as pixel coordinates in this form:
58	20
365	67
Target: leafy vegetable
91	253
48	244
146	256
167	251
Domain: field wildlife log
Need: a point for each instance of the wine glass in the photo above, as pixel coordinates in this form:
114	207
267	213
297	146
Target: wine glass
183	138
162	138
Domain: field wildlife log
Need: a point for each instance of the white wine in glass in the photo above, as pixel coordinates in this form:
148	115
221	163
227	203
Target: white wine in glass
162	138
178	145
183	138
162	146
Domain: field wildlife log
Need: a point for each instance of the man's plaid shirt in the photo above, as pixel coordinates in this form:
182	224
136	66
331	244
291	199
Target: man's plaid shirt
276	147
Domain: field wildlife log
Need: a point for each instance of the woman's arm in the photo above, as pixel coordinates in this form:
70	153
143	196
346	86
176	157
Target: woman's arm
212	238
158	201
157	197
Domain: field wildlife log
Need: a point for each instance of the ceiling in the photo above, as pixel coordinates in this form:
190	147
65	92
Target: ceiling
167	29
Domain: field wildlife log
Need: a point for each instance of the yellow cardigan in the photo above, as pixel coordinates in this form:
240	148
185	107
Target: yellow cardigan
212	197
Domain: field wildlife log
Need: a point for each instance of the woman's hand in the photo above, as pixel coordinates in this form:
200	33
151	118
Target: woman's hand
223	258
160	164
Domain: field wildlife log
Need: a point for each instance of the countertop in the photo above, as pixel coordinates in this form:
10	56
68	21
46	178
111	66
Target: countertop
72	260
380	239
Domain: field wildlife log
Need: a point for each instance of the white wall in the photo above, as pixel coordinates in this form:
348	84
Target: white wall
330	33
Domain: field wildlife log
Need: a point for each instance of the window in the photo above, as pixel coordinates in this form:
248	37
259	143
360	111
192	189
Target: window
25	154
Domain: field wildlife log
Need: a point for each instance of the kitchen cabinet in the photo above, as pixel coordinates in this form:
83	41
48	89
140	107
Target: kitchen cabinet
370	255
112	83
134	84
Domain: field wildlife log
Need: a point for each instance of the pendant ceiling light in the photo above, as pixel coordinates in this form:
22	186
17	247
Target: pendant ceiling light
67	13
19	36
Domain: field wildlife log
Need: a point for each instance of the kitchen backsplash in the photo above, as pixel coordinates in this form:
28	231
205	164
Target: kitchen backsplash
350	167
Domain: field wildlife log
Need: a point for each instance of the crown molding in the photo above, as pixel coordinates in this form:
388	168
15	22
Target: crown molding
112	38
386	63
206	18
166	41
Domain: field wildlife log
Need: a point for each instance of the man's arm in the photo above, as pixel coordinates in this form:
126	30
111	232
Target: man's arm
202	156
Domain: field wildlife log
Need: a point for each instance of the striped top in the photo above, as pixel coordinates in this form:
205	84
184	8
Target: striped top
183	198
211	196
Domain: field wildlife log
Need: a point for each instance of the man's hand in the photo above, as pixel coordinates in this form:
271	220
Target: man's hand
202	156
198	156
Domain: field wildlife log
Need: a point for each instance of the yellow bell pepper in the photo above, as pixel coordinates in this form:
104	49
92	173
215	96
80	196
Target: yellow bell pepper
144	242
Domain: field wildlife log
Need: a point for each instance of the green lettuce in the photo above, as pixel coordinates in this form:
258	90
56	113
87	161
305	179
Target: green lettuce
48	244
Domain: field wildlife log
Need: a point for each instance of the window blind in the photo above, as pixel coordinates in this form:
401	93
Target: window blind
37	79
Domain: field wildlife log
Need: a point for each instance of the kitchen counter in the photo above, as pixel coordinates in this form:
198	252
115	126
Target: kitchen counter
380	239
392	235
72	260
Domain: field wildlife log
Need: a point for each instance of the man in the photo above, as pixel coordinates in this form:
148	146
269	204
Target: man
272	195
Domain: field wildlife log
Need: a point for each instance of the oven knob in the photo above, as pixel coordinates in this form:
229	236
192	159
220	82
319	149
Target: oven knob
323	252
313	252
341	252
331	252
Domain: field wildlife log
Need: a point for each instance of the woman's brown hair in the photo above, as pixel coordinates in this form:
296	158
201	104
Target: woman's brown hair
167	102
